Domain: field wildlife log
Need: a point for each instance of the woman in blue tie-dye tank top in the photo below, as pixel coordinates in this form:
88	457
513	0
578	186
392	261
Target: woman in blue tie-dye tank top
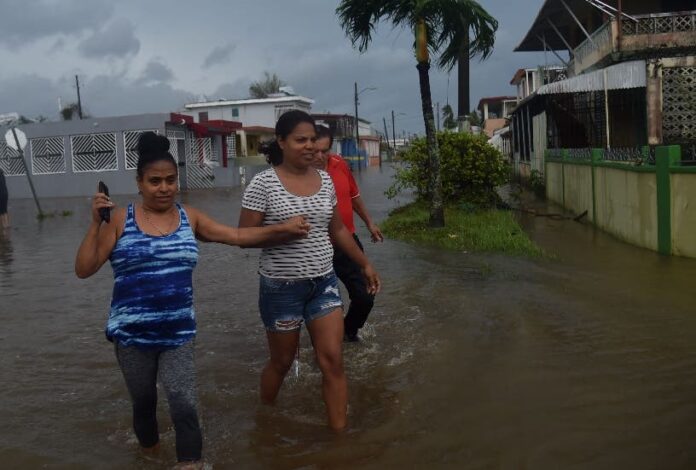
153	251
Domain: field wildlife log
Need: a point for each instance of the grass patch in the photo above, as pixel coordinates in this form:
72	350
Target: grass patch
50	215
490	231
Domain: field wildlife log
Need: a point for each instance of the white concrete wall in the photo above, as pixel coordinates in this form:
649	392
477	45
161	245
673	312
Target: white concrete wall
256	114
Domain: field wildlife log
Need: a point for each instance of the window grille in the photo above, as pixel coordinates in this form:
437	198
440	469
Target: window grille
10	160
94	152
47	156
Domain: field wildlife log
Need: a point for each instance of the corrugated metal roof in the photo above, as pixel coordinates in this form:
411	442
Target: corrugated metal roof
619	77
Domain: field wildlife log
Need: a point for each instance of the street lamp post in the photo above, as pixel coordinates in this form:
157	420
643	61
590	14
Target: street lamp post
357	123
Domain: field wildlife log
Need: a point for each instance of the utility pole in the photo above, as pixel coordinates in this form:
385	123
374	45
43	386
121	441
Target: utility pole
394	132
386	136
438	116
79	101
357	127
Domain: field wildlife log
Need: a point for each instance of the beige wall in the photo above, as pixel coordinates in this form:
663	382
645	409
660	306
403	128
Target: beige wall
554	182
627	205
578	189
683	188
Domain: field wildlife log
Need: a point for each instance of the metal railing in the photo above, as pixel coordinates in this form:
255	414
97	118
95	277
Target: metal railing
688	154
554	153
629	155
625	154
681	22
579	154
600	40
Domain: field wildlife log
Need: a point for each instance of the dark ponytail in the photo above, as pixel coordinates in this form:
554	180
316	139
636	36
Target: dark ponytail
152	148
284	127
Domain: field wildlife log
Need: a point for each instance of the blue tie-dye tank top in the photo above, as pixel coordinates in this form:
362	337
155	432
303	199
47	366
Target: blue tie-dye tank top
152	303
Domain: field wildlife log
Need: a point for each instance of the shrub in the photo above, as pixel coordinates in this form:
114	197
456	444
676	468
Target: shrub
537	183
471	169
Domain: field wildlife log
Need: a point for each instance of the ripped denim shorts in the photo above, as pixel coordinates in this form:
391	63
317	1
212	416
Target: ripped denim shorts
286	303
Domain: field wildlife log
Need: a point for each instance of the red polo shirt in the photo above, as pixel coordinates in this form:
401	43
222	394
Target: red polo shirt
346	188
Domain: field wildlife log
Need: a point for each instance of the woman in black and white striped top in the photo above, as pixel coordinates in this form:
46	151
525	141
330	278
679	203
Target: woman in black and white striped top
297	281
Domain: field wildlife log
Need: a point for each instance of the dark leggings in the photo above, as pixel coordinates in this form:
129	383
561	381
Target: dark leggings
361	301
3	194
175	369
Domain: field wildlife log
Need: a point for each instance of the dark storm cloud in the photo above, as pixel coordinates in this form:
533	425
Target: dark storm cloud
25	21
101	96
219	55
156	72
116	40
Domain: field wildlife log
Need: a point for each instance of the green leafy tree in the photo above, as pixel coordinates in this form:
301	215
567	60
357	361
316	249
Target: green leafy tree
269	85
472	169
475	118
441	27
69	111
448	120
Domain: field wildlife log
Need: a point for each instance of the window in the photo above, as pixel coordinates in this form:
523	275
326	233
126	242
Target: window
47	156
235	112
203	117
212	150
231	146
94	152
10	160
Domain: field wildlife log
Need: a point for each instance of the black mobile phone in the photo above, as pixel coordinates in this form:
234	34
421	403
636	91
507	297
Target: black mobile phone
104	212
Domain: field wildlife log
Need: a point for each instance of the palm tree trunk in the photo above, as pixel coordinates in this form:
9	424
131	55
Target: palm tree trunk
463	83
437	213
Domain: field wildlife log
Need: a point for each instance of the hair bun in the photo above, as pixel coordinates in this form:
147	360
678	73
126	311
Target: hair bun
151	143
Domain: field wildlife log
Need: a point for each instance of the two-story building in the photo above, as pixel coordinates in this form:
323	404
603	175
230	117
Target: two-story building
343	128
628	81
257	115
615	141
495	111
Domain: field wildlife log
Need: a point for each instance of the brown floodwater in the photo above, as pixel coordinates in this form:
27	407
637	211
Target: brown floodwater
583	360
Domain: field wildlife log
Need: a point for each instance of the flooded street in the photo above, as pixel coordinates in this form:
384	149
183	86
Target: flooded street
584	360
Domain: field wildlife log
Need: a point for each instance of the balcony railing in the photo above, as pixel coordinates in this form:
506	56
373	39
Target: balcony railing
595	48
660	24
641	38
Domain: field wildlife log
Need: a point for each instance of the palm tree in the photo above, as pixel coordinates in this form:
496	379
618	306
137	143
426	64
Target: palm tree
448	120
269	85
439	26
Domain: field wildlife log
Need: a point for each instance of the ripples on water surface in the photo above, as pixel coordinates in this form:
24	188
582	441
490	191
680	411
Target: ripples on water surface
468	361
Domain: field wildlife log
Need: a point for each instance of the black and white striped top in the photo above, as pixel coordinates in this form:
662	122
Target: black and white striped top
300	259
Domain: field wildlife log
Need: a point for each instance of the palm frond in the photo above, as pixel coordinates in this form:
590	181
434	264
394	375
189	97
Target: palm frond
452	24
358	19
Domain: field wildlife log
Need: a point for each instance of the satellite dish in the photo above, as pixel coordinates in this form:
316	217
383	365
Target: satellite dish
21	139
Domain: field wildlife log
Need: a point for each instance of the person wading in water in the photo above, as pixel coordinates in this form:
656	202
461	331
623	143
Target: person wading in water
297	280
153	250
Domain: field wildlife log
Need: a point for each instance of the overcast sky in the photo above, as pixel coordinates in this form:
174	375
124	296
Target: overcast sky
155	56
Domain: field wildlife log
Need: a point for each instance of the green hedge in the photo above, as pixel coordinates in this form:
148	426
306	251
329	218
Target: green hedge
471	169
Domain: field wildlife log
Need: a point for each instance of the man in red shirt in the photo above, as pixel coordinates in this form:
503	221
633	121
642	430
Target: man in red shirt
349	200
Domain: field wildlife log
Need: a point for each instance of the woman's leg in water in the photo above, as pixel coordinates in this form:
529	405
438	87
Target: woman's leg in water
327	338
282	347
177	373
139	368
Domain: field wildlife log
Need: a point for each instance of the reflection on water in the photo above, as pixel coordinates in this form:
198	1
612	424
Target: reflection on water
468	361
